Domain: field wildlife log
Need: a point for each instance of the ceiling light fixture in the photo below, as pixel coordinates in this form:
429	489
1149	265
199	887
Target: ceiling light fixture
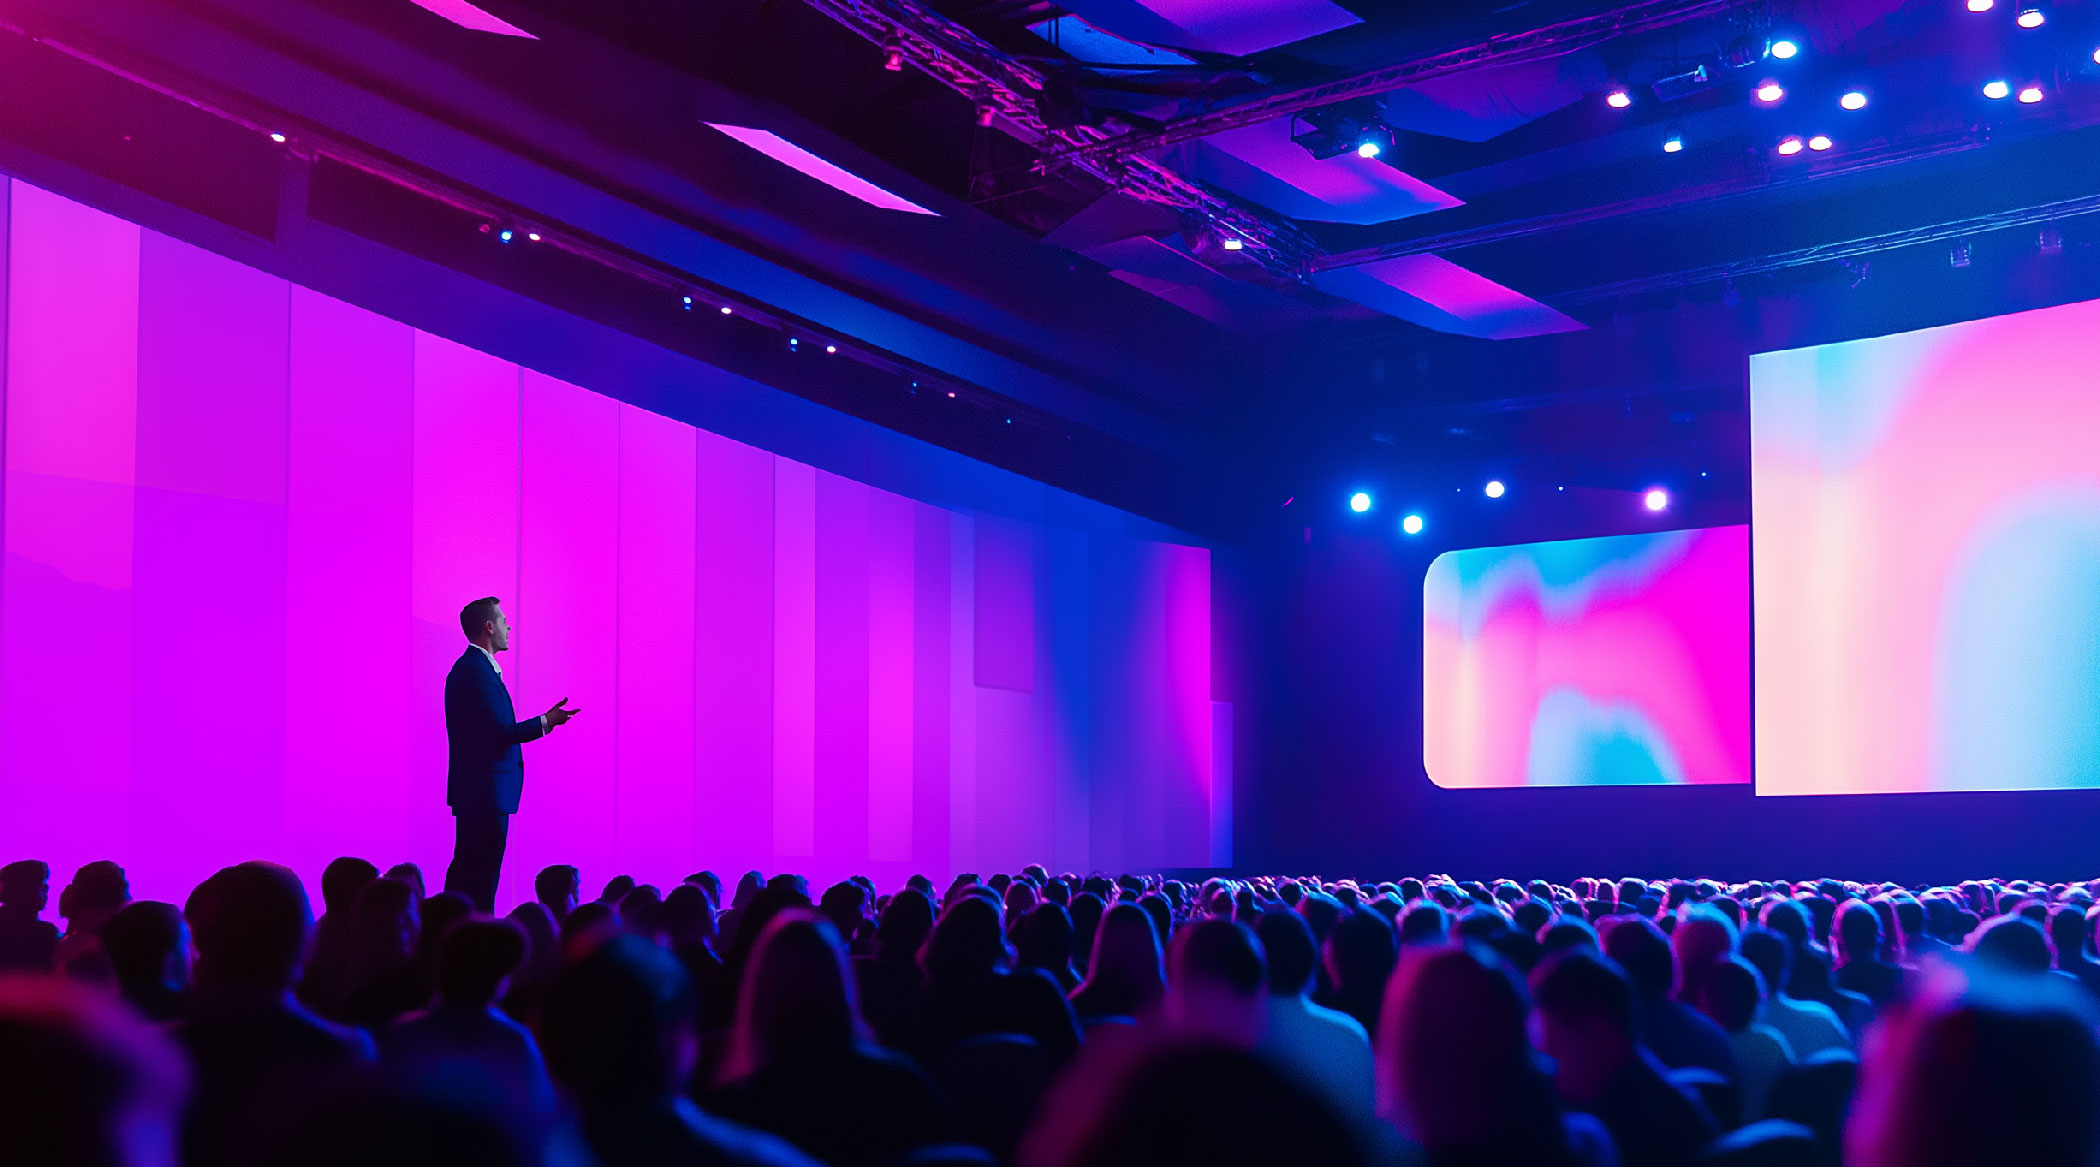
1996	90
2030	95
2030	18
1819	142
1785	50
1853	100
1790	146
1770	92
1980	5
1673	144
1618	99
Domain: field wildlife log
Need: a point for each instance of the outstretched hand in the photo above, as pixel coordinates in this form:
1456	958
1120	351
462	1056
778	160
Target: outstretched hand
561	713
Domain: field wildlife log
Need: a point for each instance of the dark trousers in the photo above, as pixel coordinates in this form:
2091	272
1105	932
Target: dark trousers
477	856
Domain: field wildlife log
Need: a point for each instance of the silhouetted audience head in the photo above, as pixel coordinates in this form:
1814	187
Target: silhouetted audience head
906	922
250	924
689	916
1043	940
965	943
617	1028
1128	958
1218	982
2011	944
98	889
1980	1067
1730	993
1360	955
1642	952
1585	1006
641	911
475	959
797	1000
342	879
1287	945
616	889
25	886
558	887
1456	1069
149	948
1858	932
411	875
384	928
1702	939
82	1082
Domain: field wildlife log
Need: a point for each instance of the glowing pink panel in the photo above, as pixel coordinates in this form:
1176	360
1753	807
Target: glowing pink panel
348	539
467	15
831	174
931	629
1188	716
567	634
657	662
794	659
1435	293
841	809
1928	559
209	638
1589	662
1012	789
733	639
65	584
463	543
1262	163
892	630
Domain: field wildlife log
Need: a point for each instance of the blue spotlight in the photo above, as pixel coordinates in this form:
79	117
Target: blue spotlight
1412	524
1656	499
1785	50
1495	489
1359	502
504	235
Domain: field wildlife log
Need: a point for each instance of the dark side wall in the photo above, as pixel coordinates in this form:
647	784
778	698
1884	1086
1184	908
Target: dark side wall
1330	776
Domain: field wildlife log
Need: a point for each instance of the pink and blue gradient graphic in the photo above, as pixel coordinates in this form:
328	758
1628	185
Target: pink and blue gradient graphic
1621	661
1927	511
241	519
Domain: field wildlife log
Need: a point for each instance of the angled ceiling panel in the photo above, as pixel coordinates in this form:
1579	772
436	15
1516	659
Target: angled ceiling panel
1435	293
1235	28
1261	163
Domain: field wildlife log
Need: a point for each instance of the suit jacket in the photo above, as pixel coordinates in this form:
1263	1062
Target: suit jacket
485	769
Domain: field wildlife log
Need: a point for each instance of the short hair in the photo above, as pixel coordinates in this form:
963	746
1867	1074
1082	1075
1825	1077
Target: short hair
2013	943
553	882
1580	983
96	887
1288	943
250	924
23	875
474	957
611	1022
342	879
476	615
1770	953
1222	951
1731	992
141	937
1638	948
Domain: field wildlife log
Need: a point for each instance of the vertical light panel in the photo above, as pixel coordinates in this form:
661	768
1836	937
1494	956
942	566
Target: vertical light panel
733	647
463	545
1005	604
352	784
209	568
567	635
794	659
931	631
962	693
1221	784
892	637
656	680
841	803
1069	716
65	584
1188	721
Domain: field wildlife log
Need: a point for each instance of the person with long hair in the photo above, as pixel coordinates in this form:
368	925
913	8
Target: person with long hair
972	989
1457	1074
801	1062
1127	975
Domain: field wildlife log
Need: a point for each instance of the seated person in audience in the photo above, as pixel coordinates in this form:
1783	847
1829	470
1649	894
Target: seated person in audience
799	1038
1675	1032
83	1082
1980	1068
1458	1074
149	952
2068	936
97	891
1217	982
1858	949
383	980
1731	994
619	1038
971	988
2011	944
26	942
888	979
462	1045
411	875
1126	976
1329	1049
327	972
1587	1023
558	887
259	1058
1043	941
1809	1027
1360	955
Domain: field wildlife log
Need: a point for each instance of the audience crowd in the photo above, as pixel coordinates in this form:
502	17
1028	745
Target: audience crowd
1047	1020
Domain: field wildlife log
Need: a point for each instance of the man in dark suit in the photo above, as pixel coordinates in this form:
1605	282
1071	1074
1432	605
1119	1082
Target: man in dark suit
485	770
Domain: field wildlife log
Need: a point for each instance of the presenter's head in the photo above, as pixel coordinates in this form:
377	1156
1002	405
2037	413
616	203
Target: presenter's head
484	623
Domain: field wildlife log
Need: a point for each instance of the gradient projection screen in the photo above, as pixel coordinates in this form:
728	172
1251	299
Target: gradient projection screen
1927	512
1619	661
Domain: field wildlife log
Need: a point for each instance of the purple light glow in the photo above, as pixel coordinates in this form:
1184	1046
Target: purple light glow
831	174
466	15
236	507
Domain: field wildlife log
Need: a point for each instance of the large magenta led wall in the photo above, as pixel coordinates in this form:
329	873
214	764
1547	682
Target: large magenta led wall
241	518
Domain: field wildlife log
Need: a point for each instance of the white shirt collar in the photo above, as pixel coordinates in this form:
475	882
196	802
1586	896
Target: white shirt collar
488	654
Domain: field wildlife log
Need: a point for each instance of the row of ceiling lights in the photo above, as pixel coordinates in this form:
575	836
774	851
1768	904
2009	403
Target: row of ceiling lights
1654	500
